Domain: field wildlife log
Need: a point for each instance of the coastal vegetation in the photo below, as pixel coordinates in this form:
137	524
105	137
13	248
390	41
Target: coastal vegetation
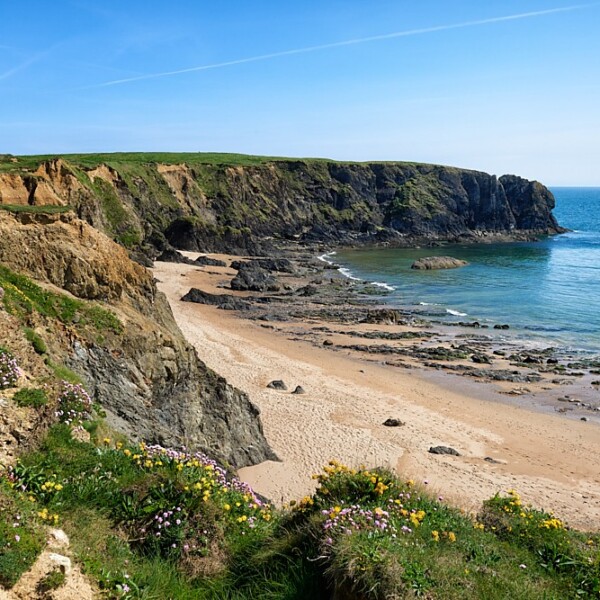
147	521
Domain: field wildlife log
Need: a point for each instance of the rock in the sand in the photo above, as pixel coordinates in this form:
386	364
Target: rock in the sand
386	316
307	290
584	419
443	450
277	384
210	262
299	390
438	262
174	256
327	343
498	326
394	423
492	460
282	265
222	301
255	279
481	359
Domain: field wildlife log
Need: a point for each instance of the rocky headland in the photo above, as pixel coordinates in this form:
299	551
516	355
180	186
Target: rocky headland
241	204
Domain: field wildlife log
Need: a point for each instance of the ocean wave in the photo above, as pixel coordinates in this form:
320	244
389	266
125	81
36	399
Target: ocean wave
385	286
456	313
325	257
348	273
429	304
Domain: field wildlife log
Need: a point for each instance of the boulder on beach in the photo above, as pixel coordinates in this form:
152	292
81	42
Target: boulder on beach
277	384
443	450
254	278
210	262
438	262
222	301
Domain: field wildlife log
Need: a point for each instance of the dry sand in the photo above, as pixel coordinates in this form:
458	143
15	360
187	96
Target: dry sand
552	461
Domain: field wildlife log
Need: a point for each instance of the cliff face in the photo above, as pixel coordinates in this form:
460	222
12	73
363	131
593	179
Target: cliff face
211	204
139	368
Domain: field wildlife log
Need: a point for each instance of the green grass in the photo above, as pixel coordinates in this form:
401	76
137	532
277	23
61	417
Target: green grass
63	373
36	209
32	162
36	341
107	497
22	297
34	397
52	581
21	534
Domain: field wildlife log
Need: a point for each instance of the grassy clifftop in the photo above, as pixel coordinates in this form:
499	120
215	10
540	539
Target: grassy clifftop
231	202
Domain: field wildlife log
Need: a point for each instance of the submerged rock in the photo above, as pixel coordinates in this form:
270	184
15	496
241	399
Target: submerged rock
438	262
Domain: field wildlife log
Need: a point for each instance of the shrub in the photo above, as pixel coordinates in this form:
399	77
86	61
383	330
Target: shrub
36	341
52	581
34	397
74	404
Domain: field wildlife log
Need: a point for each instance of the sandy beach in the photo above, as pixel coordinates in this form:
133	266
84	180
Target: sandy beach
551	460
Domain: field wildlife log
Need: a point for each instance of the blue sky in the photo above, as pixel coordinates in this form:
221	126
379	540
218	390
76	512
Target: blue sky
453	83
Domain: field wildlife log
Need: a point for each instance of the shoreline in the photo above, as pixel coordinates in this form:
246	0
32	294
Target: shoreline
350	393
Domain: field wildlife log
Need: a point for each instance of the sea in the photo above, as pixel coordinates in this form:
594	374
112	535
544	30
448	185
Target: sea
548	291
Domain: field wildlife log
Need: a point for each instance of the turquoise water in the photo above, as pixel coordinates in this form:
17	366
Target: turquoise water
547	291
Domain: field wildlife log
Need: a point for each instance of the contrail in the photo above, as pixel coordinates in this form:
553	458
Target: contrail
352	42
21	66
29	61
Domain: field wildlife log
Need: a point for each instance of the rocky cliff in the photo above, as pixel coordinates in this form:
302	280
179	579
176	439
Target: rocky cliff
232	203
100	314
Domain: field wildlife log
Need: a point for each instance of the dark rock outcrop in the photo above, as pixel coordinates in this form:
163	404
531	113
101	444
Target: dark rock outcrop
174	256
222	301
210	262
393	423
282	265
254	278
277	384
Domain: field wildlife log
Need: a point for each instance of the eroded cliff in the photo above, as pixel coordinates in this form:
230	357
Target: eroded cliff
132	357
